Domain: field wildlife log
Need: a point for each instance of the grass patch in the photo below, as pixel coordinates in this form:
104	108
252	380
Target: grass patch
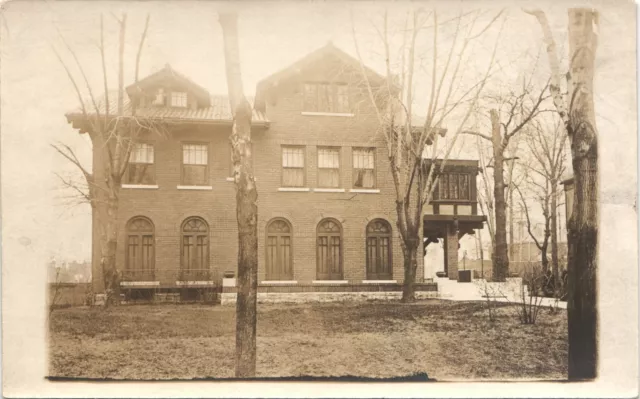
446	340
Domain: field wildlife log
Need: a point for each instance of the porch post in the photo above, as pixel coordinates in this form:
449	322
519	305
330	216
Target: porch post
451	252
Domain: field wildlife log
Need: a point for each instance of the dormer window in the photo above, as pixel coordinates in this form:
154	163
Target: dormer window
325	97
179	99
160	96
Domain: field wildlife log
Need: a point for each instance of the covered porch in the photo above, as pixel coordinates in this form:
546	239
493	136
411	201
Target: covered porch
450	229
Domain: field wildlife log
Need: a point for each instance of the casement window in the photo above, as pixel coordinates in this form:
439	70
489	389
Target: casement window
195	164
454	186
278	247
378	248
364	173
179	99
195	250
328	167
293	167
326	97
141	168
140	253
329	250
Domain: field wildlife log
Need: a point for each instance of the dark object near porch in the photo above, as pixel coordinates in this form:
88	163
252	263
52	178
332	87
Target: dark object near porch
464	276
229	274
441	274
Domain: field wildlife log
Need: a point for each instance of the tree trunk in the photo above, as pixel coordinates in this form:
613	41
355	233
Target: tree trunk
410	254
554	238
108	246
583	225
500	255
511	237
246	204
545	259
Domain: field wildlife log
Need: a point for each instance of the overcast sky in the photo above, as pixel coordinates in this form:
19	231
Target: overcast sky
35	92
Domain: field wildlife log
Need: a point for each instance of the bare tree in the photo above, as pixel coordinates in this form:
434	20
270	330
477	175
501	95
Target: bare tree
246	203
520	107
577	112
113	135
547	149
406	140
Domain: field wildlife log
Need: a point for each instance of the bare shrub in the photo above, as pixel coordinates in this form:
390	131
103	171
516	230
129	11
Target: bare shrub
489	292
528	306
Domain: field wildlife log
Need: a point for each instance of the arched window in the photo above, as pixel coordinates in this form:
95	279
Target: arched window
329	250
379	261
140	251
279	264
195	250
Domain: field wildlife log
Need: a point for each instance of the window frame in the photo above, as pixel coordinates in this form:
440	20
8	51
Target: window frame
304	167
178	93
147	274
378	236
447	177
207	179
341	249
126	175
330	148
332	103
278	236
375	167
187	270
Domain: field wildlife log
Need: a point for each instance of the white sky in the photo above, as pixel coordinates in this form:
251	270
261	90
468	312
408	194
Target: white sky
35	92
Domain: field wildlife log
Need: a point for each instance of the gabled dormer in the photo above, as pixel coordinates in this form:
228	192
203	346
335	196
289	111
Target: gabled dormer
327	81
168	88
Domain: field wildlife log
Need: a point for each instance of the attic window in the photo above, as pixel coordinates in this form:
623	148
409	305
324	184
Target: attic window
160	97
325	97
179	99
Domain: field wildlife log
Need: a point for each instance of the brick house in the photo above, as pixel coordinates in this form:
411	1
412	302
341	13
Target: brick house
326	217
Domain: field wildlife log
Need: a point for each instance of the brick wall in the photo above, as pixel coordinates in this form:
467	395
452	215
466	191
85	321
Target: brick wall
167	206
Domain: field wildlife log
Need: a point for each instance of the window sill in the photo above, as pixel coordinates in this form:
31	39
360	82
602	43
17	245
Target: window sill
194	282
142	186
278	282
330	282
294	189
379	281
195	188
140	283
231	179
346	114
365	190
329	190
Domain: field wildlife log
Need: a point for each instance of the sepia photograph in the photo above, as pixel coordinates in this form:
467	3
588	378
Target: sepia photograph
319	192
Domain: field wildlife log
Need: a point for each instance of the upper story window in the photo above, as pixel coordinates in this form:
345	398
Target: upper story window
195	164
160	97
454	186
364	171
292	166
141	168
328	167
178	99
325	97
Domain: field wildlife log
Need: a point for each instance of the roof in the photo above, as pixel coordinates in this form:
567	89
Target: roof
169	73
309	60
219	111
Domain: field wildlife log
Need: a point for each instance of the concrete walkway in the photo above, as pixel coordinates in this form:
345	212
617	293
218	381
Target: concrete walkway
509	291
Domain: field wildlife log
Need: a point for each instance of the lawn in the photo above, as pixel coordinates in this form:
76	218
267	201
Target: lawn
446	340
